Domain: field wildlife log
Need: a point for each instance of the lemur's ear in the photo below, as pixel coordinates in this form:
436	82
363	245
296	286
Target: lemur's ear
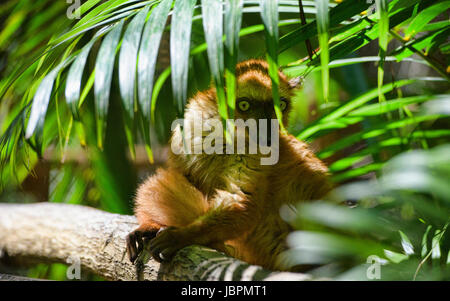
296	82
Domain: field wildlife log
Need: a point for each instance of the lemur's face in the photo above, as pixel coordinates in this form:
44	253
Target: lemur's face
255	102
254	93
253	108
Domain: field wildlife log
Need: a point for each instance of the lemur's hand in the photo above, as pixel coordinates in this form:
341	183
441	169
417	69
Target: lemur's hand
167	242
135	242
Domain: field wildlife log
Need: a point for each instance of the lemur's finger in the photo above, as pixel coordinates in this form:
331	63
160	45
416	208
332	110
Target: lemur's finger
139	241
167	254
156	253
131	247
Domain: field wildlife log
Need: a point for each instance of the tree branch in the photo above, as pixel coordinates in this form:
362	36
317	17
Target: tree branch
50	232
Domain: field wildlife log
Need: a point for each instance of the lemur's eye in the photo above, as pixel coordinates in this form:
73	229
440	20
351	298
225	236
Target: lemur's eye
243	105
283	103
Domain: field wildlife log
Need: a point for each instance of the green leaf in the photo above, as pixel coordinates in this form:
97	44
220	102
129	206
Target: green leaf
103	75
342	218
90	25
338	14
383	39
87	88
281	9
148	52
157	88
347	108
423	42
212	13
436	25
436	41
42	97
127	71
380	130
269	16
372	149
180	38
424	17
99	13
406	244
213	27
390	105
85	7
73	81
395	257
243	32
360	171
11	25
128	58
293	70
352	159
357	102
344	32
233	20
367	34
328	245
323	27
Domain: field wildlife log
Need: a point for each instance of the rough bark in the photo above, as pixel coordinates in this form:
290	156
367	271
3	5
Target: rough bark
50	232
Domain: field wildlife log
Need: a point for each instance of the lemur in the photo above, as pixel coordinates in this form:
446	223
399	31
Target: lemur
230	202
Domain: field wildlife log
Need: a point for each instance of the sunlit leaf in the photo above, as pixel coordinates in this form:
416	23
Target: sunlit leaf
380	130
390	105
212	13
85	7
383	39
73	81
424	17
232	26
347	108
151	38
157	88
269	16
127	71
180	36
42	98
103	75
323	27
406	244
128	58
341	12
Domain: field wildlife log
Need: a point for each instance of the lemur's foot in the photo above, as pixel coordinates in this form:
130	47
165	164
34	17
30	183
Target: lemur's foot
135	242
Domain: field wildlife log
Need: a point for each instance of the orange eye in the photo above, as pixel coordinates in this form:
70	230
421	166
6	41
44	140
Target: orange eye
243	105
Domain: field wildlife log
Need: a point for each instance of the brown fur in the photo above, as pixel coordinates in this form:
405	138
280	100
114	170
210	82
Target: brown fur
232	199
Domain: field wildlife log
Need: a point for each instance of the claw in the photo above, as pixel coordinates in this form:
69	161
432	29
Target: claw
131	247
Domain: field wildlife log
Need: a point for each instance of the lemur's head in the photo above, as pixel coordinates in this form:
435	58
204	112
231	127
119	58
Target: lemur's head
254	103
254	92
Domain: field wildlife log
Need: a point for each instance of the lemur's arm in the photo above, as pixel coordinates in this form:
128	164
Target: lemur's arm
231	216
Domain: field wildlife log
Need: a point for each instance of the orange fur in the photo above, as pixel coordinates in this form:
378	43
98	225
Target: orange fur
232	199
182	204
